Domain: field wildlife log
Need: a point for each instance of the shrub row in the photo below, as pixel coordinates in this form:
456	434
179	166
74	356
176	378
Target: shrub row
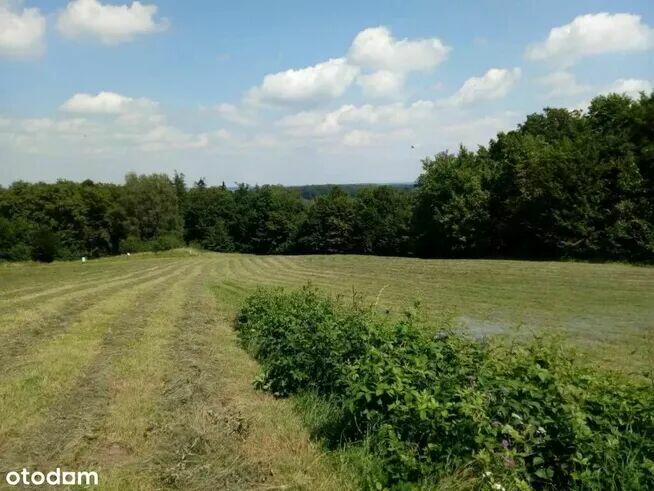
430	403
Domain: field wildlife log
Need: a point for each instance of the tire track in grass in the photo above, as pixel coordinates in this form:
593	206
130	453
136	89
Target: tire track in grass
28	328
54	368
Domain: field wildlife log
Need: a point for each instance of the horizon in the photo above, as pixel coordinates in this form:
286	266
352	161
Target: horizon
294	93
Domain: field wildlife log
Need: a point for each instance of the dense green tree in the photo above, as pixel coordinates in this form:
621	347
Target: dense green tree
208	216
451	215
269	217
383	220
330	224
179	181
150	204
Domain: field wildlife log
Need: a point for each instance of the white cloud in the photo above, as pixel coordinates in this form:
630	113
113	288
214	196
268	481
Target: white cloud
381	83
106	103
326	80
234	114
562	83
62	127
166	137
359	138
387	60
375	48
321	124
494	84
594	34
112	24
629	86
21	32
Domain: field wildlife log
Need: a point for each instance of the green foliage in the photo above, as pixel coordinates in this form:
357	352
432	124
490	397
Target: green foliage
382	221
15	239
157	244
208	213
426	406
150	204
330	224
567	184
451	215
166	242
133	244
45	245
302	340
268	218
217	238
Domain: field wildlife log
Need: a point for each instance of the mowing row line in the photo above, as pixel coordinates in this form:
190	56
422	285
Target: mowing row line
8	302
28	328
55	368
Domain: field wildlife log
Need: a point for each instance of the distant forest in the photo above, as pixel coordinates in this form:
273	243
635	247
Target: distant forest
313	191
564	184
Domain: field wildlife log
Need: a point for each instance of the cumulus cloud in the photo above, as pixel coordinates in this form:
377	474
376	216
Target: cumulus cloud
106	103
375	48
594	34
325	80
234	114
348	116
111	24
376	61
359	138
562	83
21	31
494	84
629	86
382	83
166	137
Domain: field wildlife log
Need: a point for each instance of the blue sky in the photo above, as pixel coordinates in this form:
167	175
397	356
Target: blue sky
294	92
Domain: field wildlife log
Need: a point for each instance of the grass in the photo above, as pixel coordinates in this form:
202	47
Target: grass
129	365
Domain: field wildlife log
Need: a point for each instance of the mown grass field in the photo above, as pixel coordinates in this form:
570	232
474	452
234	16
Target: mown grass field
129	365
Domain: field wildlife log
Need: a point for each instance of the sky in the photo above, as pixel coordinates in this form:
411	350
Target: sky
295	92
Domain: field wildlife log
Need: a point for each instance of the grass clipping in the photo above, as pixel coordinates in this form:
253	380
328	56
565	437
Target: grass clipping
427	404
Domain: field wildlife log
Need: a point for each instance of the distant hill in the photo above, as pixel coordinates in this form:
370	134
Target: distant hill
312	191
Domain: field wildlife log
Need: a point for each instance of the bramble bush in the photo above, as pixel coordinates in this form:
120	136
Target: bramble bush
429	403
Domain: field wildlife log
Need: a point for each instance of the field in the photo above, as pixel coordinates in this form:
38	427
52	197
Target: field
129	365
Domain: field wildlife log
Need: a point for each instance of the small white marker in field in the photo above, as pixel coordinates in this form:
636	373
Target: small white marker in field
83	259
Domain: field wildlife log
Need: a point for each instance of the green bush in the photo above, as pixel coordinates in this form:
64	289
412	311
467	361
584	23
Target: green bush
45	245
133	244
166	242
158	244
302	340
426	406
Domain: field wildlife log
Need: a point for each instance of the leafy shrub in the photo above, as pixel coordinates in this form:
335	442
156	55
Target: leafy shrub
302	340
217	238
133	244
166	242
523	416
45	245
158	244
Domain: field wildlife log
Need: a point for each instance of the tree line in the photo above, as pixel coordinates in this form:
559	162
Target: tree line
563	184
